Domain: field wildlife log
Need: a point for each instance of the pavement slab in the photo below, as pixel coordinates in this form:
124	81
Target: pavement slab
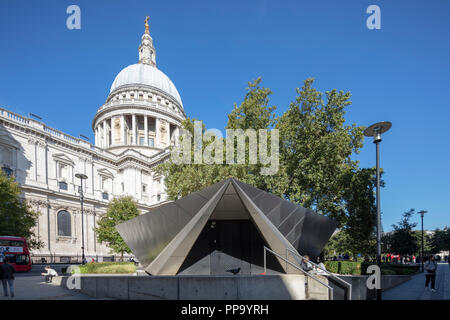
414	289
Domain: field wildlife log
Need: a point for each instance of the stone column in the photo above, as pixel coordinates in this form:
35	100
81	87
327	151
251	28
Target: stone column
122	129
156	133
105	133
134	130
113	130
169	138
146	130
176	133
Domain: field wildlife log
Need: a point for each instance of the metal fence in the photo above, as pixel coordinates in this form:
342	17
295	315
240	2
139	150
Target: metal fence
65	259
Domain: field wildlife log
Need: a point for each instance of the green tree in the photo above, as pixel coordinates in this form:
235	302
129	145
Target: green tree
316	169
119	210
440	241
315	151
403	239
361	210
16	217
252	113
339	243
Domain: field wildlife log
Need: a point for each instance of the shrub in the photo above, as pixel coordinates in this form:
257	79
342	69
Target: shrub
360	268
388	272
108	267
332	266
344	267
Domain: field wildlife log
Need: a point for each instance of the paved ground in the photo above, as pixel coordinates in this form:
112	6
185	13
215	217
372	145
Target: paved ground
414	289
32	286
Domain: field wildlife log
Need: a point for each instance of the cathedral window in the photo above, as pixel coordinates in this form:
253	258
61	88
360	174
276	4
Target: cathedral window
64	224
105	195
63	185
105	183
151	142
63	170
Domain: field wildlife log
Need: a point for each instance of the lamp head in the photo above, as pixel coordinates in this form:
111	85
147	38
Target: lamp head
422	213
377	129
81	176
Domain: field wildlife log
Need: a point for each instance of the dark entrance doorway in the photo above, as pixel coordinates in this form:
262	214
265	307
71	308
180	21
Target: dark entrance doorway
229	244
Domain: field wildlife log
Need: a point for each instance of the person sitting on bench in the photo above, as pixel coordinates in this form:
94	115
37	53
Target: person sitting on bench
50	274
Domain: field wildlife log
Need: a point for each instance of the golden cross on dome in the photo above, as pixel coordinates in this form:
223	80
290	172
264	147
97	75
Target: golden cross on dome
146	24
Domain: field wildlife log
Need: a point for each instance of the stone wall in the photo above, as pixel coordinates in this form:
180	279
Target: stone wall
264	287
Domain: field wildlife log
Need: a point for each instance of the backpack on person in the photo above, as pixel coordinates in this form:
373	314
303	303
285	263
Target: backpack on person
431	266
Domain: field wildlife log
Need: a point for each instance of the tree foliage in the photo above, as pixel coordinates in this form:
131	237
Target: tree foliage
339	243
252	113
361	211
16	216
119	210
403	239
315	150
440	240
316	169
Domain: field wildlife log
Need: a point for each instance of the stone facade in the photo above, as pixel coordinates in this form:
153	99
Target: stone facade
133	130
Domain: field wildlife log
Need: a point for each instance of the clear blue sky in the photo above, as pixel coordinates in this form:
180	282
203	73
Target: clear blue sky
211	49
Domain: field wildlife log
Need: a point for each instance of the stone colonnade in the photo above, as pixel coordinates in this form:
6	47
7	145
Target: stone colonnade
135	129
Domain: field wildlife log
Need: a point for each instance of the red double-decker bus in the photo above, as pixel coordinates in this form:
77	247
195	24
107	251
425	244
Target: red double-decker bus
16	250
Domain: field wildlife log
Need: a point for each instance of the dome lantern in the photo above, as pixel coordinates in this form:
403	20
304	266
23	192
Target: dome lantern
147	53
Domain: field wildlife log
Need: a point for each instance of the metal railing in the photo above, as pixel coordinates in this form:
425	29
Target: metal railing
328	273
330	289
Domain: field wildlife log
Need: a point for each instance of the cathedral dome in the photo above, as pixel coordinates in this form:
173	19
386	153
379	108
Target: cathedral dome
146	75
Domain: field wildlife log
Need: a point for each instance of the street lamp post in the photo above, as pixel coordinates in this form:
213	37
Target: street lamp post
82	177
375	131
422	213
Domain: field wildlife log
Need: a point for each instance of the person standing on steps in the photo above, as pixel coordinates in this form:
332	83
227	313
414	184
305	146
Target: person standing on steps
430	273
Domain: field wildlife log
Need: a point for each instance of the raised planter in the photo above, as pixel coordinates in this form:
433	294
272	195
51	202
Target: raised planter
359	285
261	287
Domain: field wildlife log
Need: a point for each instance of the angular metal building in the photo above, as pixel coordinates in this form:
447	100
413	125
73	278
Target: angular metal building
222	227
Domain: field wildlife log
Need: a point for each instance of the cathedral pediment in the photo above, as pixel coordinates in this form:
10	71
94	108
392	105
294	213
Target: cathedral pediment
105	172
6	139
63	158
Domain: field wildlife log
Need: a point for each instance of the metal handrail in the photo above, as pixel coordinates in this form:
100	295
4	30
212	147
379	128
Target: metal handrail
343	282
330	289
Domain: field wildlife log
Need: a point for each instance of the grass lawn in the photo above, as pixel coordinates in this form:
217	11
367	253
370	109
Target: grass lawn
108	267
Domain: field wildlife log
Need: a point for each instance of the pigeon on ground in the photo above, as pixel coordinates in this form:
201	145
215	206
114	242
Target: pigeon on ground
234	271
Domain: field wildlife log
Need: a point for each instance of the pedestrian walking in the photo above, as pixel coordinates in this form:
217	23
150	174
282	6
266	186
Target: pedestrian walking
7	277
430	273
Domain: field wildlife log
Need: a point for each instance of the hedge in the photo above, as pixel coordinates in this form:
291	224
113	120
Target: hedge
108	267
343	267
360	268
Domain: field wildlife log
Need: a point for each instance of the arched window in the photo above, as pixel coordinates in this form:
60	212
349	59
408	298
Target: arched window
64	225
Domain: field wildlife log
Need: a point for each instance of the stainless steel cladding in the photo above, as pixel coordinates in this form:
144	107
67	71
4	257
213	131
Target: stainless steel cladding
163	238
